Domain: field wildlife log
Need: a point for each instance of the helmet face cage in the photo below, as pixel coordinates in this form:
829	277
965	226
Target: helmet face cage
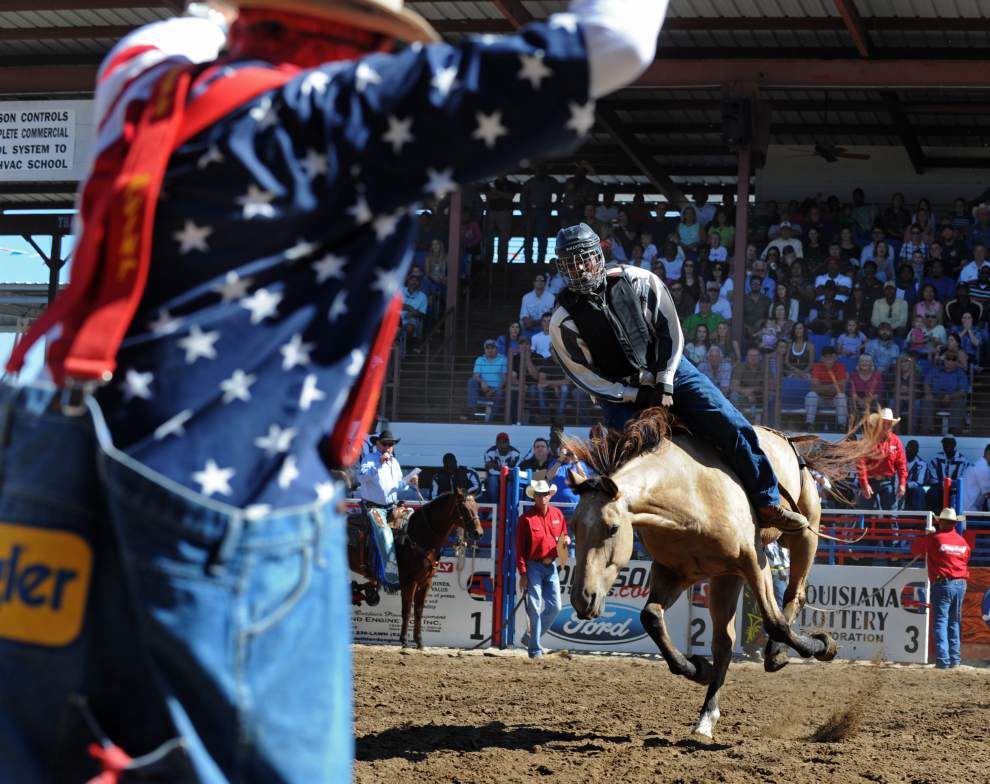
583	269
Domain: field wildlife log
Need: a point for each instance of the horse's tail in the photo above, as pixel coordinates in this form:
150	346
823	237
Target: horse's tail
836	460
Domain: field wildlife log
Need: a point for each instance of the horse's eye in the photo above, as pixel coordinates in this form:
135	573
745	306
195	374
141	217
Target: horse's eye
612	530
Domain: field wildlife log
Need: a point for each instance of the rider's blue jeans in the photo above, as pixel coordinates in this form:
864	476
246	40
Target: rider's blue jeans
709	415
542	601
185	624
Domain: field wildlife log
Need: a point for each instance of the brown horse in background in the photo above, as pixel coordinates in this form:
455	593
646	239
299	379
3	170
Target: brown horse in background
696	521
417	551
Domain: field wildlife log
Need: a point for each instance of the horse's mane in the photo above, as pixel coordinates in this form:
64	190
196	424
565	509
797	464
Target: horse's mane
606	451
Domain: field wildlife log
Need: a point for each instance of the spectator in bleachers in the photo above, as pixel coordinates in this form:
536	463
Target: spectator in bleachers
914	498
697	349
414	305
716	251
760	269
850	343
869	250
719	275
498	218
849	251
866	387
928	305
785	237
924	219
886	264
971	271
435	264
558	473
955	308
829	314
453	476
782	296
603	230
536	202
883	475
705	212
979	290
867	280
947	464
800	354
689	232
815	249
534	304
828	382
816	219
863	214
907	286
907	385
692	282
960	217
890	310
720	305
884	350
833	275
728	345
918	264
747	385
945	286
952	344
934	335
636	257
859	308
895	219
488	380
624	236
539	459
607	212
650	252
704	315
976	484
971	338
722	226
555	282
509	342
755	307
718	369
916	341
541	340
946	388
672	260
913	243
802	289
979	232
954	249
774	330
498	456
684	303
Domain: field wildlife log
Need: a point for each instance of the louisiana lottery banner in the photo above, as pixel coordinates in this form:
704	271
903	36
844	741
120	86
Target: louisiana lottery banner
976	615
452	616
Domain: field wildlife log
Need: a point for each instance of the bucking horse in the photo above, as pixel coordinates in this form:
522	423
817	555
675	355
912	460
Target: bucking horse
417	550
696	521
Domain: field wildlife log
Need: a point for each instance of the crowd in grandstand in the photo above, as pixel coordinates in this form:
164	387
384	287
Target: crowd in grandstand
847	306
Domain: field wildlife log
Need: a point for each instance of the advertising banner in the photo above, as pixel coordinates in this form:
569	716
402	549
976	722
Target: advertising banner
40	140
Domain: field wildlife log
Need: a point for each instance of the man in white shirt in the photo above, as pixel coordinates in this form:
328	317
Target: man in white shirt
705	211
381	478
720	304
541	340
843	283
534	304
785	238
971	271
976	483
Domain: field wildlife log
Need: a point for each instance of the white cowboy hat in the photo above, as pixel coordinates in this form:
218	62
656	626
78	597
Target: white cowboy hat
388	17
949	514
885	415
540	486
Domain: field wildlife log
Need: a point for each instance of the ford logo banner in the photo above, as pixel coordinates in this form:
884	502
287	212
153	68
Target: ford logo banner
617	625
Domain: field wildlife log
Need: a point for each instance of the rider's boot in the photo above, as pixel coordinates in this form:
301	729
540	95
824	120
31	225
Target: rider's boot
777	516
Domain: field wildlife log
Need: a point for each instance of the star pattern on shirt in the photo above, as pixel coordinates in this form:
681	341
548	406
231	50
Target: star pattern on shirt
443	80
256	203
387	281
361	212
314	81
338	308
314	164
399	133
582	117
193	237
234	287
325	491
330	266
199	345
440	184
364	75
277	441
301	250
490	128
237	387
137	384
288	473
386	224
310	393
214	479
176	426
295	353
164	323
264	115
262	304
534	70
355	362
212	155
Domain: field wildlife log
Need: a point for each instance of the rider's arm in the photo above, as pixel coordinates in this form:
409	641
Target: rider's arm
662	313
572	354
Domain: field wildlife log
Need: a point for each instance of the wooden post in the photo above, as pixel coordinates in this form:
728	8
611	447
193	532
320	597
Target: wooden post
453	262
739	258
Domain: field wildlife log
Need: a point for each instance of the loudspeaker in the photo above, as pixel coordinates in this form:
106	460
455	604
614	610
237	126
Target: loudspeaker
737	122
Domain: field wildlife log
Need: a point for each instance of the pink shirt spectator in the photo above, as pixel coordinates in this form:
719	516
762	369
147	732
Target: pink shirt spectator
869	387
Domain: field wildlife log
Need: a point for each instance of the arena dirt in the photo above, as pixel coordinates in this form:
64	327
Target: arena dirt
445	716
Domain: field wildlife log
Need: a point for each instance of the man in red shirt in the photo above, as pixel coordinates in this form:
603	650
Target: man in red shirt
883	477
948	555
828	381
537	536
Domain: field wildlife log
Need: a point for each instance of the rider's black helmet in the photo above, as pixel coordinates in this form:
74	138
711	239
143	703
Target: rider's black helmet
580	258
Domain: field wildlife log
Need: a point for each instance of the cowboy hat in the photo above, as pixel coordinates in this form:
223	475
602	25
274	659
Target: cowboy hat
884	415
387	437
949	515
540	486
388	17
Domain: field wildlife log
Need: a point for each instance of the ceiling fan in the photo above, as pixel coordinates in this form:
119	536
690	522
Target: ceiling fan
828	151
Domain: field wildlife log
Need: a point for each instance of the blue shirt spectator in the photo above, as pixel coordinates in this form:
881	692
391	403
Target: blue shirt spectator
947	381
557	475
883	349
491	367
414	305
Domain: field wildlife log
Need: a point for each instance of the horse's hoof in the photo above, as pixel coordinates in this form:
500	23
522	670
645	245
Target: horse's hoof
775	663
419	644
831	648
703	670
372	597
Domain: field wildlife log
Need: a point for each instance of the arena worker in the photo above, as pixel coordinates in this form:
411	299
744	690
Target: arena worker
603	337
947	554
245	230
541	534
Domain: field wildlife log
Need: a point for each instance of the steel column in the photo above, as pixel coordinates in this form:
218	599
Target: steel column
739	257
453	262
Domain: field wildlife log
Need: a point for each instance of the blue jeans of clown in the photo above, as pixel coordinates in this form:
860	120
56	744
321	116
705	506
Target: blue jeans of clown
214	643
947	601
542	601
709	414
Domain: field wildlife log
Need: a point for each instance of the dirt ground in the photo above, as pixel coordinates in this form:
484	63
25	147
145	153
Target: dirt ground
458	718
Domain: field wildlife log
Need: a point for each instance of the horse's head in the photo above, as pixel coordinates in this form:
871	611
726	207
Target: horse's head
467	507
603	543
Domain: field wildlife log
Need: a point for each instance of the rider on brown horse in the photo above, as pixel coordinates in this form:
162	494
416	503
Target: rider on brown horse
617	335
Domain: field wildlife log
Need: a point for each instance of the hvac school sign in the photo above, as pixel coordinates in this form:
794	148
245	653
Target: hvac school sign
44	579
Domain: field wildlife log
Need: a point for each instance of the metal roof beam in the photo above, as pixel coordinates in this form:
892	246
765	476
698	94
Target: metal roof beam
854	24
47	79
514	11
64	33
86	5
641	156
907	135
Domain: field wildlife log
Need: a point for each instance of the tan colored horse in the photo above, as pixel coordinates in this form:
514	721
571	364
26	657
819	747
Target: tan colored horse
697	523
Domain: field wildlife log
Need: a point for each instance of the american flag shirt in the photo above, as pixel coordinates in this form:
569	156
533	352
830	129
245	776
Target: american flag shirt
284	230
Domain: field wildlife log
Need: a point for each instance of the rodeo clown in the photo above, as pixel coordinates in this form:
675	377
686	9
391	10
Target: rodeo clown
617	335
176	593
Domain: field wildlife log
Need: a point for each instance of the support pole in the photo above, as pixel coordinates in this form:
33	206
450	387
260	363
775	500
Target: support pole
739	258
453	263
54	266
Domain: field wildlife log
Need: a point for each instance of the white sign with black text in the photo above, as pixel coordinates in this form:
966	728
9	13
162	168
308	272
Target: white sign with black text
44	140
